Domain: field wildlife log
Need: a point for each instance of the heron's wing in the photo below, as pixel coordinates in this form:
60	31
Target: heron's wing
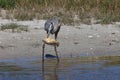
47	25
55	23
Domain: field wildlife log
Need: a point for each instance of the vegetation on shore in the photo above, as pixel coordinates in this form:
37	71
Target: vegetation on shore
70	11
14	27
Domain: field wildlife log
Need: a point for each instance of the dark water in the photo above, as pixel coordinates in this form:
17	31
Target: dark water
83	68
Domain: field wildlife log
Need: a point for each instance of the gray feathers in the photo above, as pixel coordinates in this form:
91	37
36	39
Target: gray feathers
52	25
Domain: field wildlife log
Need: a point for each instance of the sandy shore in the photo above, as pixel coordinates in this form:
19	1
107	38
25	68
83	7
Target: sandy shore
75	41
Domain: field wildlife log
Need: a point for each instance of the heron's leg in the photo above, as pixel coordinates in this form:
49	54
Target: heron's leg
55	48
56	33
47	35
43	74
43	47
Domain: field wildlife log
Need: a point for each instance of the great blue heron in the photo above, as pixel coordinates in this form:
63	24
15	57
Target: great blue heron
52	26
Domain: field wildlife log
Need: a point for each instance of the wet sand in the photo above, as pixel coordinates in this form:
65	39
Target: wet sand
75	41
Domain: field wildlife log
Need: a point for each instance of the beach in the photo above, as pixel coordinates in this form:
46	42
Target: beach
75	41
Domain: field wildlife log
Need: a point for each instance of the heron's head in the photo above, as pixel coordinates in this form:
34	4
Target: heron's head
51	24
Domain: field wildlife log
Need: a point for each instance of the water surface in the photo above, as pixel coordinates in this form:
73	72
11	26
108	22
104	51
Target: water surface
83	68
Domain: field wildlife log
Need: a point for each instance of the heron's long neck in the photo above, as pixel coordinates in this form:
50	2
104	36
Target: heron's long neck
49	29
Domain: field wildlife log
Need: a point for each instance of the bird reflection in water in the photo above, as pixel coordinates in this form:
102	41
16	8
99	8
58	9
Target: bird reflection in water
49	69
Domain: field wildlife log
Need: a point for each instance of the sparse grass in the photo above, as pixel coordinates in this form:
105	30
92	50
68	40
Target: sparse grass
7	4
106	10
24	16
14	27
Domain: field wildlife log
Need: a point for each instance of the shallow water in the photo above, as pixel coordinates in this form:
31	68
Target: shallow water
83	68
